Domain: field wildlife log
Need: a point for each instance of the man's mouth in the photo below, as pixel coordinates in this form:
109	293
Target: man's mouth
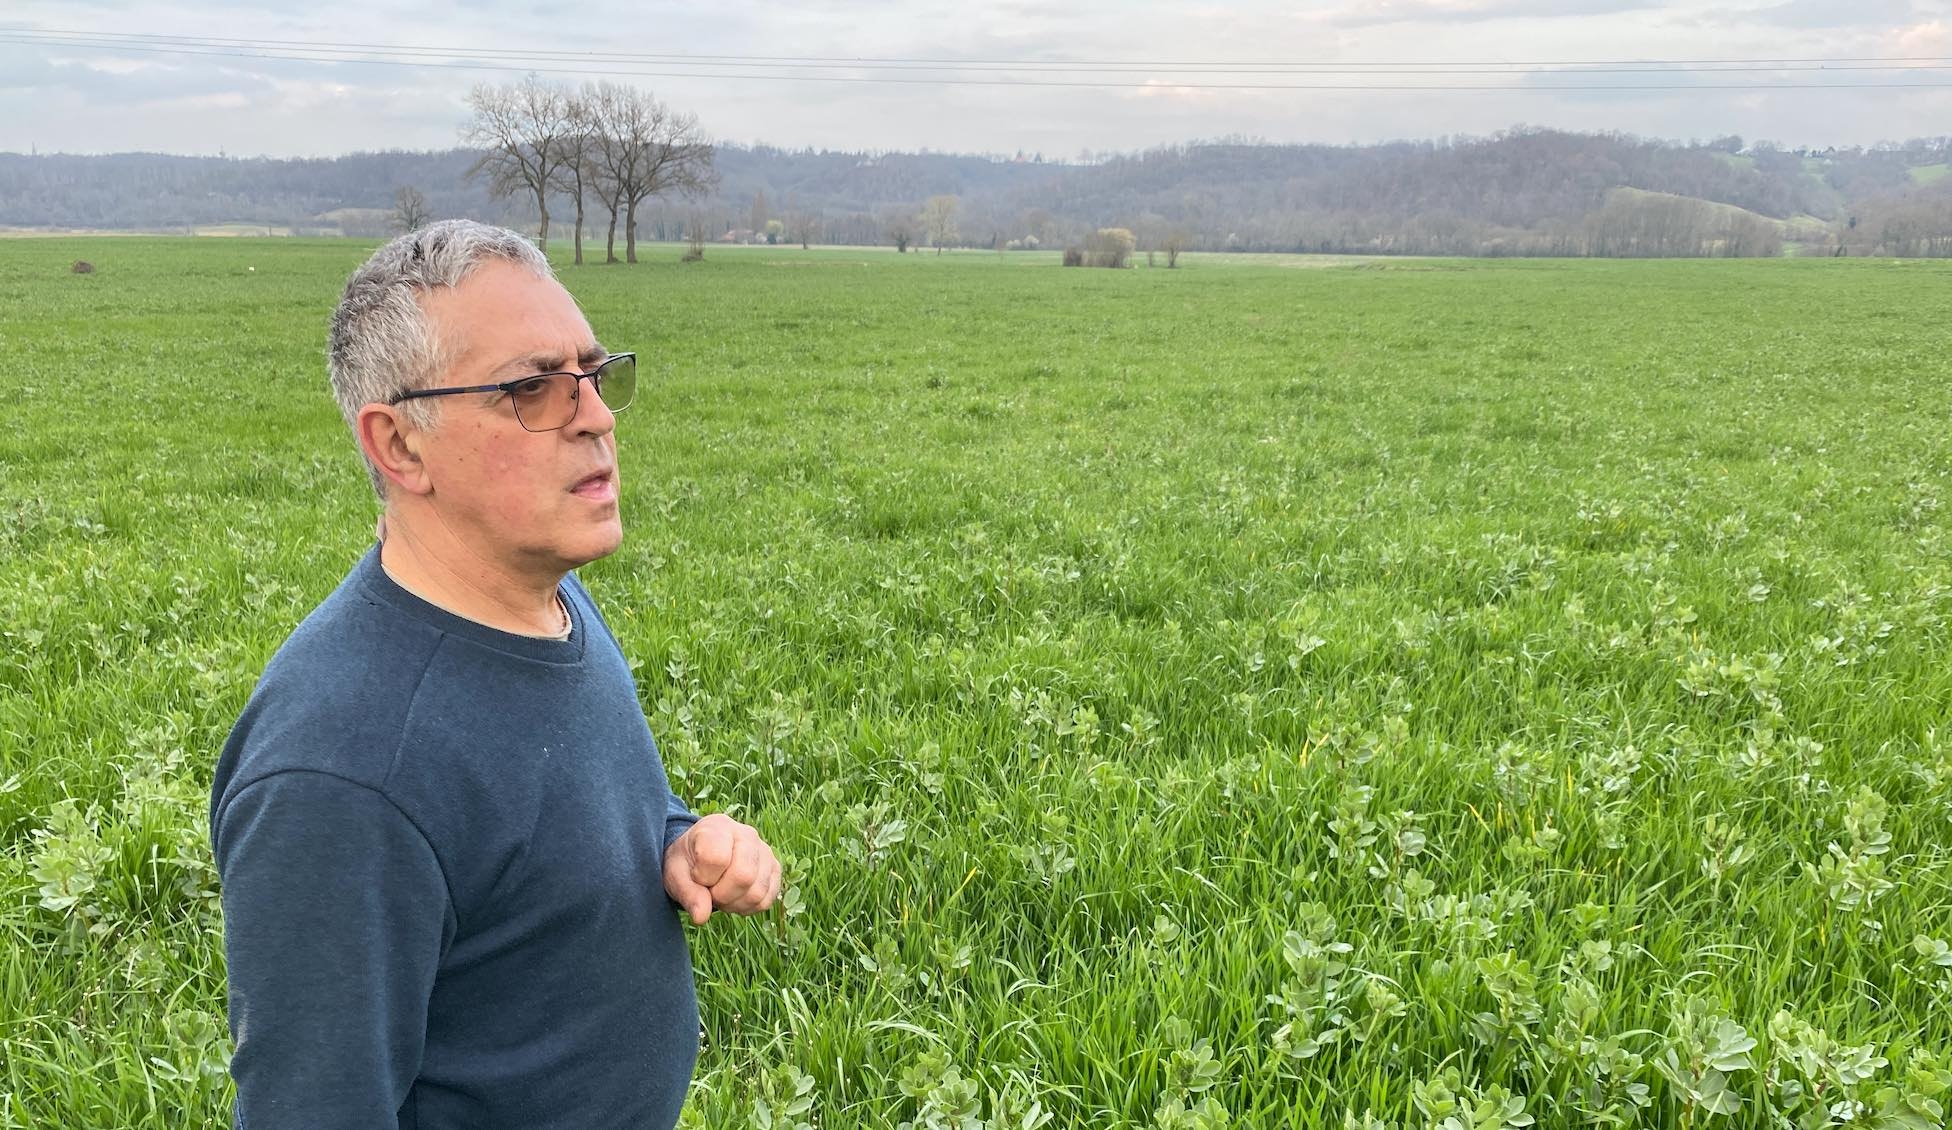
600	486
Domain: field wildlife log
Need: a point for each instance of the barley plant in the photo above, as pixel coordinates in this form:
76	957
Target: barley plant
1407	694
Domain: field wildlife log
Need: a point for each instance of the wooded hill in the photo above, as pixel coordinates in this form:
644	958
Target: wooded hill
1523	192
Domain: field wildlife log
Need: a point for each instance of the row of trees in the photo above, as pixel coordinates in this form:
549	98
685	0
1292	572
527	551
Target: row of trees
1629	224
1522	193
936	220
1917	223
602	141
795	225
1645	225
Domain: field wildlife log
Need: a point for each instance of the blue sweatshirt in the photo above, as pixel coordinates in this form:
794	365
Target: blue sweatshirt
442	857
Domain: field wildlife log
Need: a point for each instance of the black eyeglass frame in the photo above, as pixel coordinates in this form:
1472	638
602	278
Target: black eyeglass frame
594	376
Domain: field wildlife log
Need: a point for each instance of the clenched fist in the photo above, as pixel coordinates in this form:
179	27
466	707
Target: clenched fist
721	864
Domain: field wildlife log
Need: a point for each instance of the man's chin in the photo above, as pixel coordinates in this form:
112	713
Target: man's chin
599	545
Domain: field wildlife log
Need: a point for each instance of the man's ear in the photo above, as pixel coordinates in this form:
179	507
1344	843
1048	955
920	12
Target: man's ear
392	444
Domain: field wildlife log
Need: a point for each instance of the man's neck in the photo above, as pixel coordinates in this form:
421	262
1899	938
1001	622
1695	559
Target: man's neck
435	567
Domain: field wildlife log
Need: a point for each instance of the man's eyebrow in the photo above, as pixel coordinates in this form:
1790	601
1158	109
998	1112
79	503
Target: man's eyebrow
550	362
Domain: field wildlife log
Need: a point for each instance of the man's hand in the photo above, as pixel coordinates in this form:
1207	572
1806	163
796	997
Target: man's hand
721	864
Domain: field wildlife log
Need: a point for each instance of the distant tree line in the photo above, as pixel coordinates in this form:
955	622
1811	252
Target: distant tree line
1914	223
1645	225
349	195
1524	192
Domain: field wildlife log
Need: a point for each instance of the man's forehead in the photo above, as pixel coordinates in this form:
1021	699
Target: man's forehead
502	313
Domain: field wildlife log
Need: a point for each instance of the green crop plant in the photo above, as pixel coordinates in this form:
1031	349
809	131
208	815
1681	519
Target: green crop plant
1519	637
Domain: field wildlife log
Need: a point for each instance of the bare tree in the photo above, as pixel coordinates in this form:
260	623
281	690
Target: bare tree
1109	247
939	219
602	102
526	134
899	225
1174	243
694	238
643	148
1150	231
803	228
576	177
409	209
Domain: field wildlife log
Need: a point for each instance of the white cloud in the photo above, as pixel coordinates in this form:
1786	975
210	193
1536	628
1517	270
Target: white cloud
1835	13
96	101
1373	12
1929	40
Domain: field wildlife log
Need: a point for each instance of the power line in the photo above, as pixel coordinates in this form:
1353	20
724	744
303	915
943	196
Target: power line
1899	62
781	71
357	53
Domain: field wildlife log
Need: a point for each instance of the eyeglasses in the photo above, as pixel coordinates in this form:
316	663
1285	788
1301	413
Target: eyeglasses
547	401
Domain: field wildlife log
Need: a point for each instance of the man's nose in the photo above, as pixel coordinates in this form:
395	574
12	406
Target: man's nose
593	416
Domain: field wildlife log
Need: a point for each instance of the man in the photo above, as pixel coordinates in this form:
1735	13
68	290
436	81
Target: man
450	855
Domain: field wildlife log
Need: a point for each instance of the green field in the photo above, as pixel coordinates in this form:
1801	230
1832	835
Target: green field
1292	693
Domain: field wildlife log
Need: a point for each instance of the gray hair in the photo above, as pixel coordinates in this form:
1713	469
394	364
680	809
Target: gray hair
381	343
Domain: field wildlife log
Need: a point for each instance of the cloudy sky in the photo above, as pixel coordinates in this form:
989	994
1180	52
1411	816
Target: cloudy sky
1133	77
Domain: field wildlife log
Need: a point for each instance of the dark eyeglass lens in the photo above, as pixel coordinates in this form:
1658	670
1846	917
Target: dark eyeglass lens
616	382
545	403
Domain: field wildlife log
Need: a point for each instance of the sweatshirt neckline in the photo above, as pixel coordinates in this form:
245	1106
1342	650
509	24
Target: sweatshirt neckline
374	579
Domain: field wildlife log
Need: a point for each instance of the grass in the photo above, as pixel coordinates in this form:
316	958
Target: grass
1295	693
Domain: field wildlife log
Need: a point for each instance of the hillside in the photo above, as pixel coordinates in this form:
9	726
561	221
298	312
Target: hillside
1538	192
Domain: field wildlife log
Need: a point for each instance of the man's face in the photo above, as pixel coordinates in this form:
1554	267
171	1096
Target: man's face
520	498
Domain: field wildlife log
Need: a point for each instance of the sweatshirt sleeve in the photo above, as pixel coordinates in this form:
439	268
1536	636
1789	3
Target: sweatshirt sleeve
677	818
336	914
